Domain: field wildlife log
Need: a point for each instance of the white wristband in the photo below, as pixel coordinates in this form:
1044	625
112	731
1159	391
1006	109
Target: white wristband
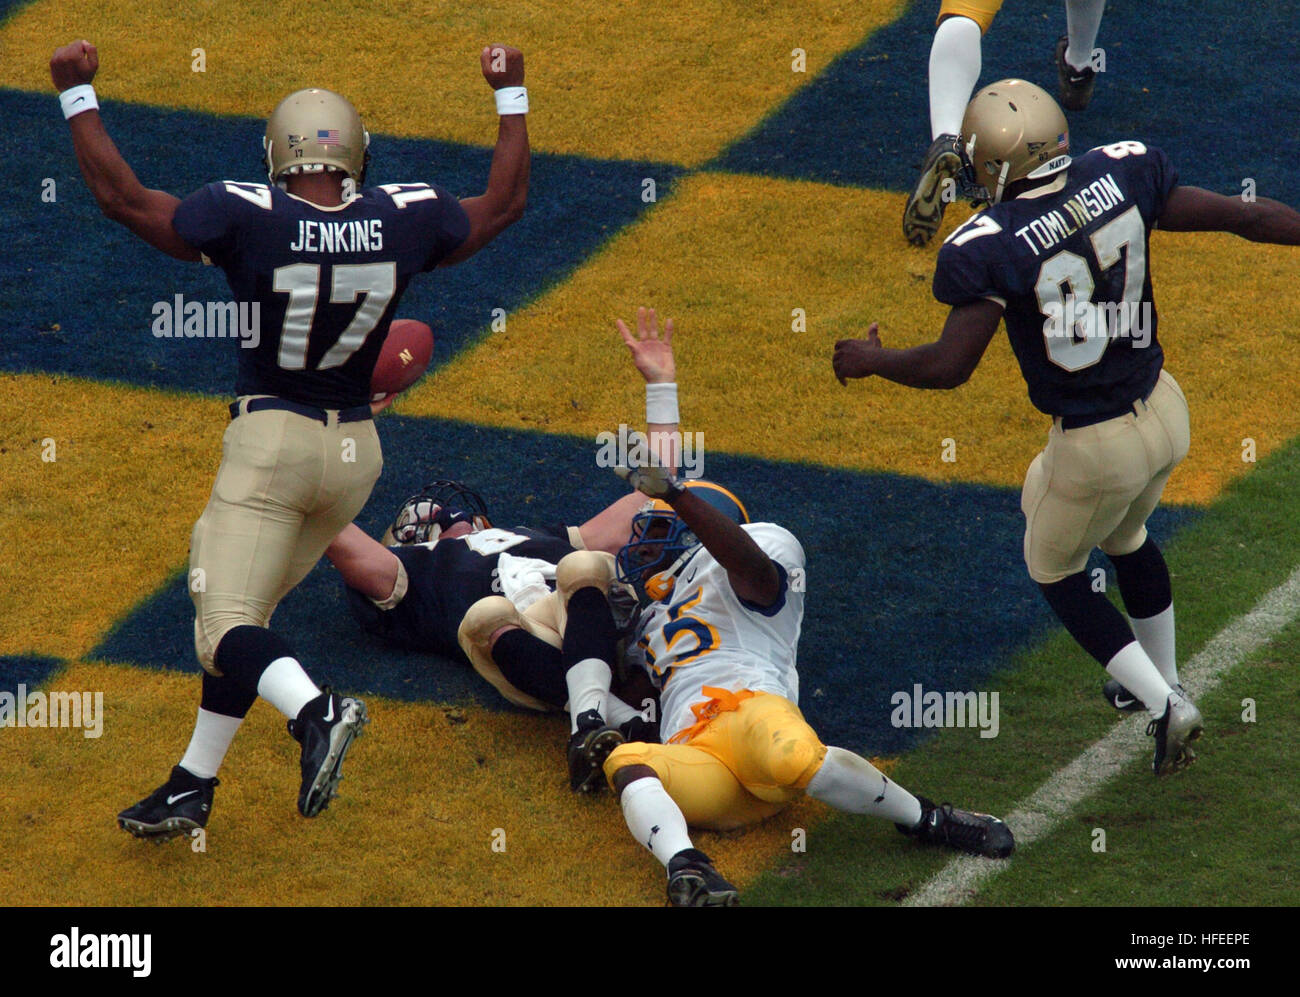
661	403
76	99
512	100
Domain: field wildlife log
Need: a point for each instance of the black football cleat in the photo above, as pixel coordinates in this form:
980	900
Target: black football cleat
326	728
1075	84
1123	700
588	748
693	882
1174	732
639	729
975	833
940	182
1120	698
179	806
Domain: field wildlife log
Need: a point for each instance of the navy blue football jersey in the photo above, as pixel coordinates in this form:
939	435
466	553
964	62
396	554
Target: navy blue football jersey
1070	267
324	282
444	579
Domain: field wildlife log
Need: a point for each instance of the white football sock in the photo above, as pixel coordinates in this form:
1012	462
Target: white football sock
851	783
1082	21
588	683
286	686
619	712
1156	634
654	819
209	743
1133	669
954	71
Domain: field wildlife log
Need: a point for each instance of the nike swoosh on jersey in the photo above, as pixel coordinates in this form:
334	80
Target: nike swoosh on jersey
172	800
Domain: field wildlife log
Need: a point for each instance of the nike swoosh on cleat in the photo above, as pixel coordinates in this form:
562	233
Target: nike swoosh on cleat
1121	703
329	714
171	800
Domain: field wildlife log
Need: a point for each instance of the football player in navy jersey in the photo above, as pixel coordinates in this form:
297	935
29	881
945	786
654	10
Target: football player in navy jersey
326	261
1061	256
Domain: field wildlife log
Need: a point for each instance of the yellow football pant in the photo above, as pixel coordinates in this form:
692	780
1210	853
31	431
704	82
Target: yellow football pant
741	767
979	11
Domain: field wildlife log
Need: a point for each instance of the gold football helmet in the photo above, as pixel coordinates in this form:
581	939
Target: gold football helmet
1013	131
314	130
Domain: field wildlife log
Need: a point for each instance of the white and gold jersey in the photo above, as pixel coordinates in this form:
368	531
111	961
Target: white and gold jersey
706	635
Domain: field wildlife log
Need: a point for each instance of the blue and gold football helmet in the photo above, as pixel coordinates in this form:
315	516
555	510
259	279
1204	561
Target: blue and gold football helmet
662	543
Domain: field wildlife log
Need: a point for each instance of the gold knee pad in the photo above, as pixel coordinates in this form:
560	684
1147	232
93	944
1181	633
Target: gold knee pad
584	568
579	570
481	621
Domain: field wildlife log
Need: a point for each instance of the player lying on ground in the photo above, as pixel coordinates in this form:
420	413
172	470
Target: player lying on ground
722	607
1062	256
455	586
450	583
955	57
326	262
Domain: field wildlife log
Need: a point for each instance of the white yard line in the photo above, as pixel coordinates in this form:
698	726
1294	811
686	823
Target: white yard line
1040	814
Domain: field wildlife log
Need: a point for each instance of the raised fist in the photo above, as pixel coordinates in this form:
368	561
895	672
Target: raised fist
503	66
75	64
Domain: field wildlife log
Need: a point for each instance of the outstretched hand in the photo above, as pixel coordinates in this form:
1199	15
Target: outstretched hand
855	357
73	65
653	356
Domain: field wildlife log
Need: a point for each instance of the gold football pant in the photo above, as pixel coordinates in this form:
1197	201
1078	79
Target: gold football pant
1097	485
754	756
287	484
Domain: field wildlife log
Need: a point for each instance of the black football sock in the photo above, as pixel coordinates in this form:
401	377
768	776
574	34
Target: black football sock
532	666
1143	580
590	643
1090	618
244	653
224	697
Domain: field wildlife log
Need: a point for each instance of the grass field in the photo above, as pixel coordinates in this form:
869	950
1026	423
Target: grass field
772	231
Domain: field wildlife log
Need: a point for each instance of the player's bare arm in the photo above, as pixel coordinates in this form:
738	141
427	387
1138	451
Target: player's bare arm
365	564
752	574
653	355
1193	209
502	204
948	362
121	196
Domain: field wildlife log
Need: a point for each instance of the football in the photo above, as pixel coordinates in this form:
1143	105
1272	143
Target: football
405	356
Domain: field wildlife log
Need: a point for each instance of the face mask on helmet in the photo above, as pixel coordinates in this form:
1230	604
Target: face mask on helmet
435	508
661	543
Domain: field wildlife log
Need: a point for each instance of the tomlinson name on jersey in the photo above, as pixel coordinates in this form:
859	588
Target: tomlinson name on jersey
361	236
1091	202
